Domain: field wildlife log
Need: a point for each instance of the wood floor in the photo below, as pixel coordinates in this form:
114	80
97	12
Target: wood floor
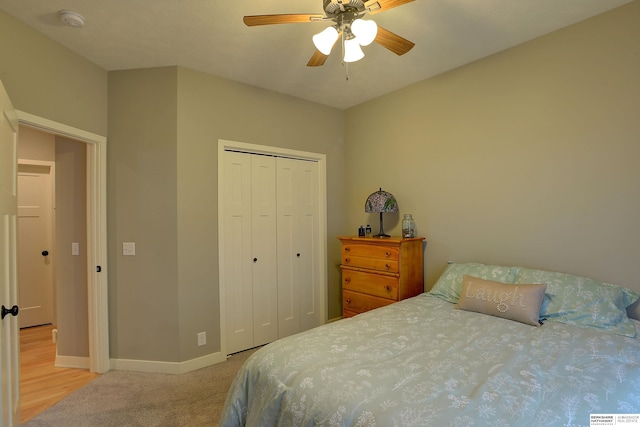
41	383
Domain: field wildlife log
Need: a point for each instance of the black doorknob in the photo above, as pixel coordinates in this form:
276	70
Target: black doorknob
12	311
45	253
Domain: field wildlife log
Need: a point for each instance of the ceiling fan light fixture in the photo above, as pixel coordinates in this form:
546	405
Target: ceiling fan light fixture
365	31
352	50
325	40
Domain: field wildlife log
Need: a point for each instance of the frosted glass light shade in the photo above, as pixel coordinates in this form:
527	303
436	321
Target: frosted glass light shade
365	31
352	50
325	40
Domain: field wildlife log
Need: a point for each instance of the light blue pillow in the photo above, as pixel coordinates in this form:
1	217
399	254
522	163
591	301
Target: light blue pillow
449	285
583	302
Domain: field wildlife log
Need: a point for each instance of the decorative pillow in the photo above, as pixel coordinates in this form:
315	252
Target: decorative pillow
449	285
515	302
583	302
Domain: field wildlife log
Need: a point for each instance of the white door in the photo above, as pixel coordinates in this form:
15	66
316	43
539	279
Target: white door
289	252
250	270
35	229
299	287
263	246
9	339
308	271
236	234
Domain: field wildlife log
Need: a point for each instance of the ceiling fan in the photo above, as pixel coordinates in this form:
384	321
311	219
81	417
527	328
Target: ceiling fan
348	25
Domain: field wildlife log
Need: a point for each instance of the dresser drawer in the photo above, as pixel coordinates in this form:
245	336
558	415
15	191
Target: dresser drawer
380	264
370	251
373	284
359	303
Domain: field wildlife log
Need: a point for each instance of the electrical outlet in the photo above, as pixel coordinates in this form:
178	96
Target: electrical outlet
202	338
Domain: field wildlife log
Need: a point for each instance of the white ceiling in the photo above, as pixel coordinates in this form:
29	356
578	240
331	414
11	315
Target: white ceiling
209	36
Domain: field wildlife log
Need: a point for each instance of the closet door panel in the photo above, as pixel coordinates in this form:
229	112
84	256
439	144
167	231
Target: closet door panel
288	248
308	235
237	252
263	235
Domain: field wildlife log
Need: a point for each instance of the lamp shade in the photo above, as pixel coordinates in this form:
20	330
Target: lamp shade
381	201
325	40
365	31
352	50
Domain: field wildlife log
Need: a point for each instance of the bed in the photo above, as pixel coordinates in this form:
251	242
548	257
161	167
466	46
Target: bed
431	360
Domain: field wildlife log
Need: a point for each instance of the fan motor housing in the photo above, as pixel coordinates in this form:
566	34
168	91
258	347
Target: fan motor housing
333	8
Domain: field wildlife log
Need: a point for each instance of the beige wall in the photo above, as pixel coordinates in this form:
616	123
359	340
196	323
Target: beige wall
48	80
528	157
164	126
142	208
36	145
71	270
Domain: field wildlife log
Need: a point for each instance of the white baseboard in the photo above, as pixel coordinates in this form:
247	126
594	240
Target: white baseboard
72	362
167	367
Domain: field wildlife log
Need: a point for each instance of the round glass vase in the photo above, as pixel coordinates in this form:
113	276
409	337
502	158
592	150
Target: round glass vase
408	226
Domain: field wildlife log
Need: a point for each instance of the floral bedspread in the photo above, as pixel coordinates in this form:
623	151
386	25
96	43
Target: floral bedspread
421	362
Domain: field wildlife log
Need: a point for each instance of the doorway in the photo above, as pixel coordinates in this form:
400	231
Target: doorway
96	241
52	244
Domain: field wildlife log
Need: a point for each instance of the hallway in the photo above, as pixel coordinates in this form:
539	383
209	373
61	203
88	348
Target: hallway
42	384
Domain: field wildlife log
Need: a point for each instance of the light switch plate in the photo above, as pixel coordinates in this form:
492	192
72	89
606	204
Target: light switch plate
128	248
75	248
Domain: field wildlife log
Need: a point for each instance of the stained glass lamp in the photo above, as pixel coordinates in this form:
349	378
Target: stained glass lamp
381	201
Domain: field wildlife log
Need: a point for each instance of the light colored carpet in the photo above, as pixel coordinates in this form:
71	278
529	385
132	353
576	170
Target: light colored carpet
123	398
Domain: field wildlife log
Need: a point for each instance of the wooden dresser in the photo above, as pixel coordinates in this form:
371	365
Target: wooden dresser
377	272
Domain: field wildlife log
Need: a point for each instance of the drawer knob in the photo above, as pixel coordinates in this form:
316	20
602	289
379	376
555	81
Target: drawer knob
348	300
387	254
347	279
388	288
347	260
347	249
387	266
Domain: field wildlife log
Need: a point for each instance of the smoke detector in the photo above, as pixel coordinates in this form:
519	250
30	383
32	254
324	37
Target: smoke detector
71	18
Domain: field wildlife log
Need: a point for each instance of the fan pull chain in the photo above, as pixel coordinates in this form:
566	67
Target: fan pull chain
344	64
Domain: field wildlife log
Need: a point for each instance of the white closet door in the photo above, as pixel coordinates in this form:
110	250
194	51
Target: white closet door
263	234
237	255
298	283
308	230
288	248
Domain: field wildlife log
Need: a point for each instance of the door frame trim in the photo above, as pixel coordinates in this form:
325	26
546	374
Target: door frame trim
321	159
97	282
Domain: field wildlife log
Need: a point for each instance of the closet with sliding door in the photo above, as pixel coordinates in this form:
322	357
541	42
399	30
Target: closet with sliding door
271	251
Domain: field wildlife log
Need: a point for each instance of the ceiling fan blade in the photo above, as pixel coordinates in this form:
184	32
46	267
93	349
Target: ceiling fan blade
376	6
254	20
317	59
393	42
